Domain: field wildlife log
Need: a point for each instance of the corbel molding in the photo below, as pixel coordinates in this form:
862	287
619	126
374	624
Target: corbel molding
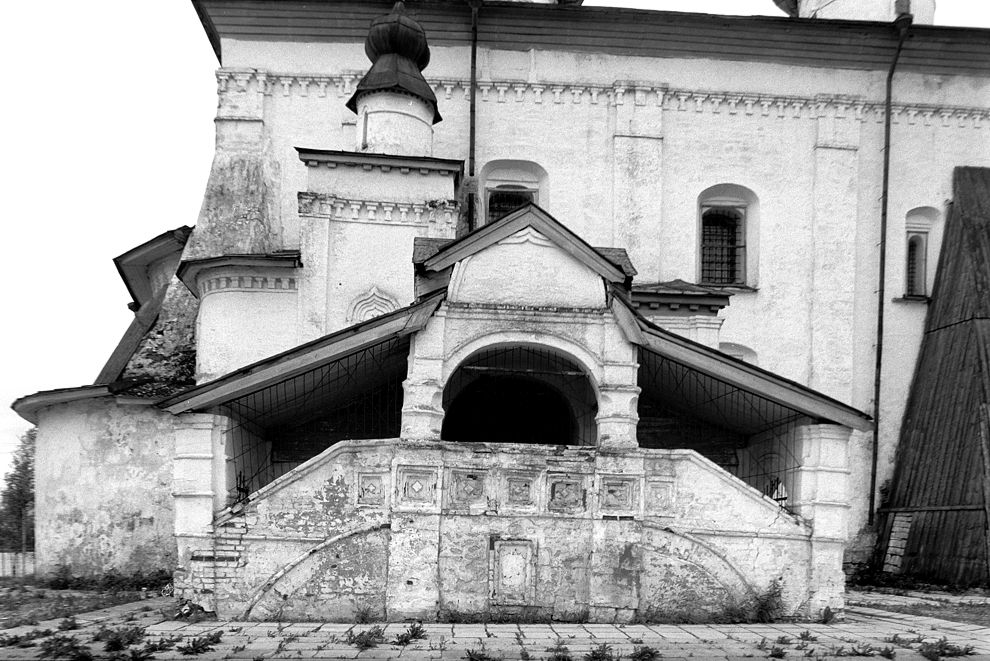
725	103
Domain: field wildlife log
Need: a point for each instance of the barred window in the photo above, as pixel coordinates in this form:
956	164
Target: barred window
507	198
506	185
916	267
723	245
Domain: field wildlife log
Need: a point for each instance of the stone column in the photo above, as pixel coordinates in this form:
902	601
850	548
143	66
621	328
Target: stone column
194	492
819	495
618	394
422	401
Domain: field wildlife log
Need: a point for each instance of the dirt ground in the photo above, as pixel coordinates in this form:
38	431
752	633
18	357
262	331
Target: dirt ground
28	605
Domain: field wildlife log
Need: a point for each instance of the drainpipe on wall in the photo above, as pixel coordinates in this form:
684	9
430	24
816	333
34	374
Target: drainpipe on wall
472	194
902	24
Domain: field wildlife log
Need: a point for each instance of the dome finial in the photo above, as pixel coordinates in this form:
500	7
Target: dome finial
396	45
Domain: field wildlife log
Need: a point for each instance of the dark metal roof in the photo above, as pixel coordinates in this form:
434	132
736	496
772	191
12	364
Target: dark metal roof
133	264
516	26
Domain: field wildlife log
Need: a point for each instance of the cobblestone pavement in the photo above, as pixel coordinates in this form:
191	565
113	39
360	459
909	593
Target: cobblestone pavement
251	641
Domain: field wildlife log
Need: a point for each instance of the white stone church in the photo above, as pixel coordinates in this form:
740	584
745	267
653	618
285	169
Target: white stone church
547	311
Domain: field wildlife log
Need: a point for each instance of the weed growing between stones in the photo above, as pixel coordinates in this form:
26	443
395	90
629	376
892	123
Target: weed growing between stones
900	641
480	654
559	652
200	645
644	653
777	652
115	640
65	648
366	639
807	636
414	631
601	653
162	644
24	639
942	648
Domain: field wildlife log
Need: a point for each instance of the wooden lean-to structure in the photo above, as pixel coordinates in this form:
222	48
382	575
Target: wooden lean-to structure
934	524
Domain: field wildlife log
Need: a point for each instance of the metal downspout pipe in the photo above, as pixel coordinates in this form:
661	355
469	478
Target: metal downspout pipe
472	194
902	24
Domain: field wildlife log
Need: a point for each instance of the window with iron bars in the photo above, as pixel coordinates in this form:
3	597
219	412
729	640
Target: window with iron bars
505	199
916	276
723	245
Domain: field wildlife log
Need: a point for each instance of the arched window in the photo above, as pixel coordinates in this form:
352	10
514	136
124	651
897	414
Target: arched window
920	225
916	265
738	351
508	185
727	231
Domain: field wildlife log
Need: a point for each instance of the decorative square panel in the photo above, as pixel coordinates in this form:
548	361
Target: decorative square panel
520	489
660	497
466	488
619	494
565	494
417	485
371	489
513	572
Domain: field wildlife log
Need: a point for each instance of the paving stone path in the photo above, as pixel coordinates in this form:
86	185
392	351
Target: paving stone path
250	641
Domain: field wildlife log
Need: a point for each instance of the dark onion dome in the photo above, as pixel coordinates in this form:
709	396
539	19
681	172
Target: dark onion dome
790	7
397	48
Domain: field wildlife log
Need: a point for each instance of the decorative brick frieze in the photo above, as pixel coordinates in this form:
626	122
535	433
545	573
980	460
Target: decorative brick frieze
715	102
437	213
248	282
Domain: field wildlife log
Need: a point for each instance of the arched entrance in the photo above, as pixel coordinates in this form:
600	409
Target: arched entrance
520	394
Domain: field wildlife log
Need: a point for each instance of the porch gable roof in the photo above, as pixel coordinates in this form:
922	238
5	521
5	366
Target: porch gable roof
303	358
530	215
748	379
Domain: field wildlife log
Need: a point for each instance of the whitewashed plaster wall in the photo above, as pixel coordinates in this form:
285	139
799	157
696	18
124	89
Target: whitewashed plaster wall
626	161
103	484
245	314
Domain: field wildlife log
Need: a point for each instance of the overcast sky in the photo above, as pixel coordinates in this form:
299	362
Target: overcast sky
108	117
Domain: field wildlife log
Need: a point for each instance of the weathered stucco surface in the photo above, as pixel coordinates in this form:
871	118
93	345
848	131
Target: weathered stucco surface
103	484
166	356
625	163
414	529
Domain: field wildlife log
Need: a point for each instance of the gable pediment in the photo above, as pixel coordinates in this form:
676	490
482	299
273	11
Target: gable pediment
526	258
526	269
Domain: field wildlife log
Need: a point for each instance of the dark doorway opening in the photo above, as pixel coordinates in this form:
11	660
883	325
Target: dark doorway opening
519	394
509	409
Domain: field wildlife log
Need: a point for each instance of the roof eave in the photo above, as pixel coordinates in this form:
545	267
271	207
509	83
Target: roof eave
302	358
189	270
29	406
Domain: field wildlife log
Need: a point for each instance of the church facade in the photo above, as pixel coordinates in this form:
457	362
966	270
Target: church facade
550	311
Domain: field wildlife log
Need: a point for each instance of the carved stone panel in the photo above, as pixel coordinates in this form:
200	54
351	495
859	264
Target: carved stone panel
619	495
417	485
520	490
371	489
466	488
565	494
660	497
513	572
